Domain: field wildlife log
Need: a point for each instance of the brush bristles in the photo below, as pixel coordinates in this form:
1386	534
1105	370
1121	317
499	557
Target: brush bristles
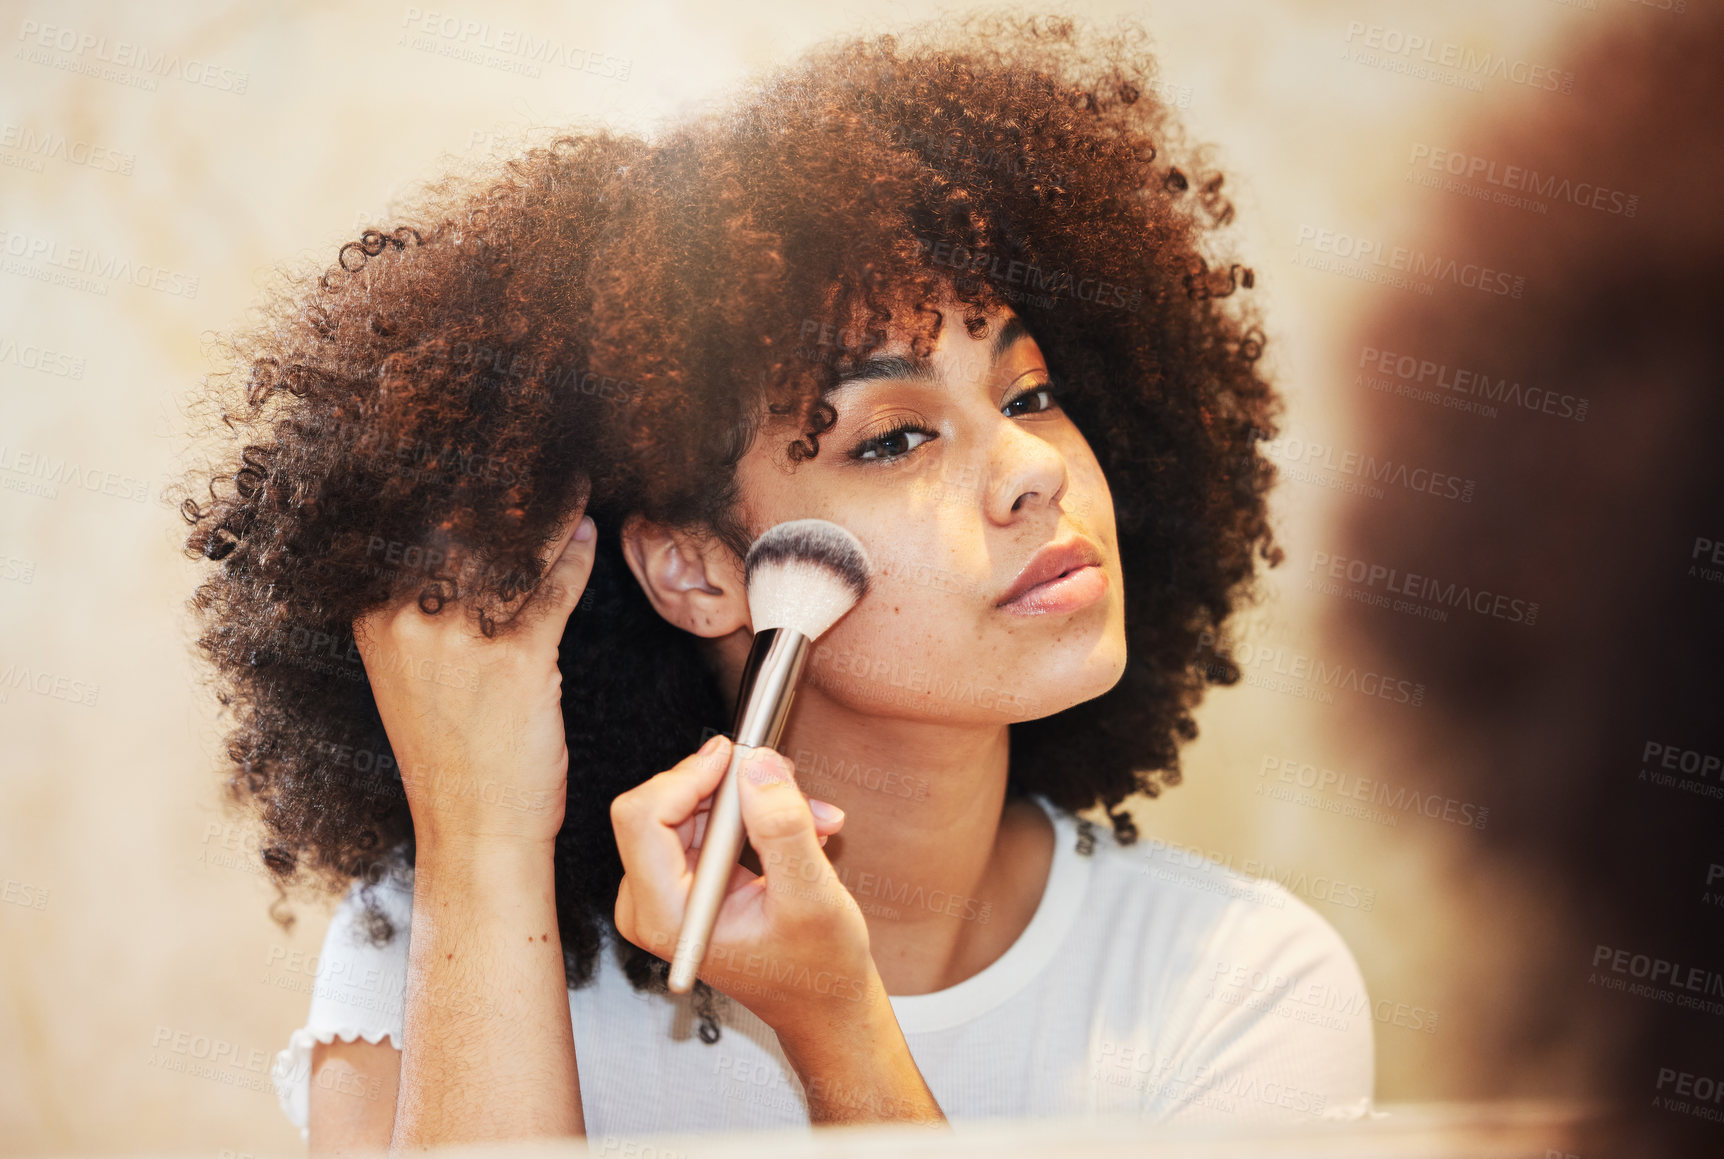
803	575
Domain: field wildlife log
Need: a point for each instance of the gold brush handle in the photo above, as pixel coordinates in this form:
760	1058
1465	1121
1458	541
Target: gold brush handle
763	705
718	854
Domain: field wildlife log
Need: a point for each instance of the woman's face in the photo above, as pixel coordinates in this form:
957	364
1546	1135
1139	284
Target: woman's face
956	473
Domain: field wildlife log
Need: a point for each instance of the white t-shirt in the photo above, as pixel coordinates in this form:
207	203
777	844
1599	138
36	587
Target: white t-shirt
1149	983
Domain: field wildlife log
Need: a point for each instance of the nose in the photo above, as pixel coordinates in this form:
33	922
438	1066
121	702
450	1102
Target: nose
1029	472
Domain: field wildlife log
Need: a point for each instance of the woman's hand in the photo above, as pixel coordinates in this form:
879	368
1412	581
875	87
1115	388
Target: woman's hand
476	723
788	943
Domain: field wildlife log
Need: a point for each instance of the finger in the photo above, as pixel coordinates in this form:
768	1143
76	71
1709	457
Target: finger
780	825
740	875
828	818
682	793
697	826
692	830
646	819
571	568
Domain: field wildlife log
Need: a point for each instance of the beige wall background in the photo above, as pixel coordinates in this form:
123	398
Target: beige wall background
134	908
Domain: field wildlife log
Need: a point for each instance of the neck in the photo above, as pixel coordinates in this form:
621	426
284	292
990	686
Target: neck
945	873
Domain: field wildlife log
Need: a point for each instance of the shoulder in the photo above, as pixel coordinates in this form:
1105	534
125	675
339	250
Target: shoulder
1174	884
1276	993
1186	882
373	912
357	983
1242	925
361	971
1258	991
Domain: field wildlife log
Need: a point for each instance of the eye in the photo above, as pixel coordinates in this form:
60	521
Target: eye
1043	395
891	443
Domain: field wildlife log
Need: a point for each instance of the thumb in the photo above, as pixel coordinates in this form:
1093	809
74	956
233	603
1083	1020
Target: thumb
570	570
778	821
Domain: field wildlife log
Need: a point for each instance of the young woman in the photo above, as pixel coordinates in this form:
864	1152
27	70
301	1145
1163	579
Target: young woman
480	601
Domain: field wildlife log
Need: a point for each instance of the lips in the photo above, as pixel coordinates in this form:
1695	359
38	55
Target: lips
1050	563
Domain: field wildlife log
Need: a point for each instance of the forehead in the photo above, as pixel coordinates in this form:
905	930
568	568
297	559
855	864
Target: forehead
895	360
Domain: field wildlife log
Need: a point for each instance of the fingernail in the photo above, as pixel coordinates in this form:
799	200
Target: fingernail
825	810
586	530
711	745
765	767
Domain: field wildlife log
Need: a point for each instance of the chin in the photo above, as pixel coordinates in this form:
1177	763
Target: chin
1068	680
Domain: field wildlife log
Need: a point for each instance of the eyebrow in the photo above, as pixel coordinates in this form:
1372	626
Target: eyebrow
890	366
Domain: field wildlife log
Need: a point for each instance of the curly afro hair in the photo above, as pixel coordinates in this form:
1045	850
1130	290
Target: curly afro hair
452	386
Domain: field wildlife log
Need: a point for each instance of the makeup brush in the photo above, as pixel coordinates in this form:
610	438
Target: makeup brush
802	576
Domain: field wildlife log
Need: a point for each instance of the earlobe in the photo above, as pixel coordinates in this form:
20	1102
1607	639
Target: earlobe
677	571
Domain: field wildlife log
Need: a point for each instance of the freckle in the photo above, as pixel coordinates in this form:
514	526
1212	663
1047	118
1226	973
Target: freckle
451	957
544	937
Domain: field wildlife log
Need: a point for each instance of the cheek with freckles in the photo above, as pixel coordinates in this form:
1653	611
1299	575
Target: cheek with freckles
912	649
918	645
927	643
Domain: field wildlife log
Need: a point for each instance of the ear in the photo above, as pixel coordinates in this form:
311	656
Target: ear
694	582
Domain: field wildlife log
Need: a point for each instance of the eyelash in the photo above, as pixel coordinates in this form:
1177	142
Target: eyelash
912	426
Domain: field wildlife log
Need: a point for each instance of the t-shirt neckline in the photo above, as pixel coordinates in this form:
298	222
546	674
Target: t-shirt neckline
1068	877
